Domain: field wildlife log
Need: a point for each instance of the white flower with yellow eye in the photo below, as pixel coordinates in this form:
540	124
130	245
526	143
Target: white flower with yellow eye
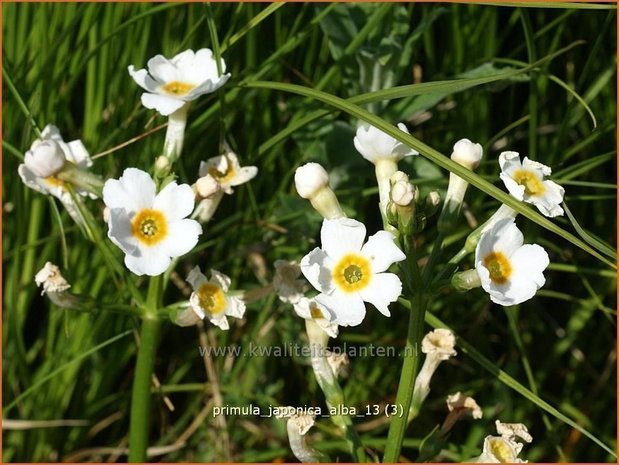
348	273
309	309
149	228
526	181
375	145
227	170
172	83
44	158
499	449
210	299
509	271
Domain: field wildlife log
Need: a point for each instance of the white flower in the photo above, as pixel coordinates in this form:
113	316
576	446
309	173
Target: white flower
73	152
509	271
309	179
461	403
438	345
348	273
207	186
45	158
513	431
50	278
210	299
498	449
227	170
466	153
309	309
286	283
149	228
374	145
525	181
172	83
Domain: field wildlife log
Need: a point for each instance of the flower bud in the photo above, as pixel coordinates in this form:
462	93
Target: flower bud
467	153
45	159
466	280
402	192
433	200
162	163
309	179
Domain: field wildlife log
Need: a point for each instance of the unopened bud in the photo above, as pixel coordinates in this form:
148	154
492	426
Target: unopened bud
433	200
467	153
402	192
309	179
466	280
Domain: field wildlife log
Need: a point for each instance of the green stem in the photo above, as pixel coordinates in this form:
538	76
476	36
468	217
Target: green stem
407	379
140	395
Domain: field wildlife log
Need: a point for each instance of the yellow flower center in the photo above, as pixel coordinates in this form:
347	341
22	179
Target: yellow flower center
149	226
212	298
501	450
223	177
532	183
53	181
498	266
352	273
177	88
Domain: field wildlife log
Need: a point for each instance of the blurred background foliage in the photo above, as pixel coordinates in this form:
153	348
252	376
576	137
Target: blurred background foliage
69	64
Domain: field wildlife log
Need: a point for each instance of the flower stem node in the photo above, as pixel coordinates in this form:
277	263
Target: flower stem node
211	298
150	228
312	183
348	273
509	271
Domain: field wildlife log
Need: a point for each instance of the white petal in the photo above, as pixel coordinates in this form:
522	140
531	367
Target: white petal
341	236
78	154
221	280
163	104
529	262
515	189
381	250
181	238
349	309
549	203
194	302
152	261
120	231
142	78
538	168
32	180
196	278
302	308
316	267
245	174
384	289
176	202
504	237
220	321
509	162
236	307
133	191
162	70
206	87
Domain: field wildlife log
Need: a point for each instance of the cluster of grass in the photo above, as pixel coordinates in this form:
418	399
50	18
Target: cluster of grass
68	63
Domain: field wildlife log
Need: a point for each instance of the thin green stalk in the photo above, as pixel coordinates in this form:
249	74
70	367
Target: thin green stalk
410	367
140	395
20	101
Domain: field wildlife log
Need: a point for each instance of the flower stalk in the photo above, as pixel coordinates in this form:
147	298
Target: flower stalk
175	133
140	394
330	387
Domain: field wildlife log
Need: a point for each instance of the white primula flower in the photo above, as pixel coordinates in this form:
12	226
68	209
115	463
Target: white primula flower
72	152
210	299
513	431
309	309
348	273
50	279
509	271
150	228
172	83
498	449
526	181
227	170
374	144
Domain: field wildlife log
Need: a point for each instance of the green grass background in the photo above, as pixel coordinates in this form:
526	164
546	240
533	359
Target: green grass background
68	62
